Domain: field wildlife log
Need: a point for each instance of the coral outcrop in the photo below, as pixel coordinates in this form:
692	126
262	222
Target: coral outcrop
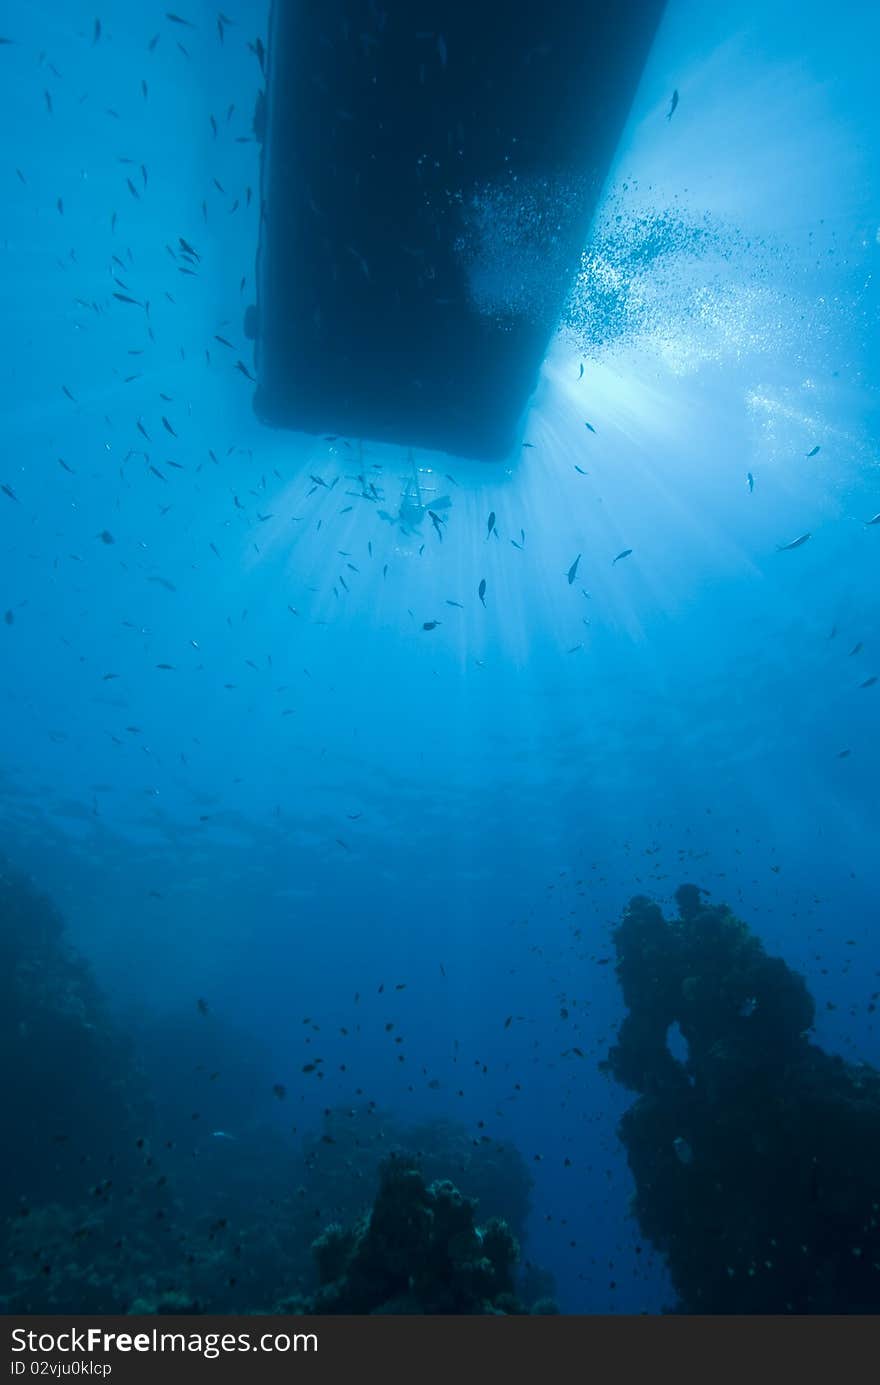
755	1153
419	1250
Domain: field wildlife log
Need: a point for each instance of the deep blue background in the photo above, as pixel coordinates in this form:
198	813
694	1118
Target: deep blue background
467	809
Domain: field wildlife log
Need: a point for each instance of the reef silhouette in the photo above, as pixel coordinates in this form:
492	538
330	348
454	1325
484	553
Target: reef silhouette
115	1197
755	1153
419	1250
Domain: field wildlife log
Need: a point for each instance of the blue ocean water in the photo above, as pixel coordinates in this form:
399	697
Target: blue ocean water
270	751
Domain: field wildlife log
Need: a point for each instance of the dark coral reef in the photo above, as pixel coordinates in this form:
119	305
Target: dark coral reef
756	1155
419	1250
116	1197
61	1058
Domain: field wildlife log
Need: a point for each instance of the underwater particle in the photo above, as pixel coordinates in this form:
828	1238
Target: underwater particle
795	543
683	1152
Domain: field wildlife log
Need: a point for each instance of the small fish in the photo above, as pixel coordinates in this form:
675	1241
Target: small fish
221	1135
683	1152
201	1005
869	682
581	375
590	426
625	554
580	470
456	604
795	543
280	1091
481	591
875	520
572	571
240	365
105	536
490	524
813	452
673	105
856	649
750	481
7	490
430	624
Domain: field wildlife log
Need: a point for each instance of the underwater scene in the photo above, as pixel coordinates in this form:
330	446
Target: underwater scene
437	843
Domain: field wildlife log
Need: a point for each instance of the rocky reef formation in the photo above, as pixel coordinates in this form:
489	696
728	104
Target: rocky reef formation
755	1153
117	1196
419	1250
72	1101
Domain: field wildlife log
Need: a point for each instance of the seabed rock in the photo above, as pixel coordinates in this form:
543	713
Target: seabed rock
419	1250
756	1155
